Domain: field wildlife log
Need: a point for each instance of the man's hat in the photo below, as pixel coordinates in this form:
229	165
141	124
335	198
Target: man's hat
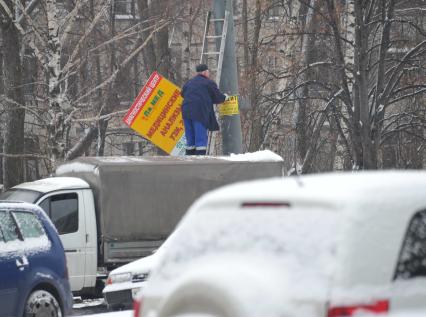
201	68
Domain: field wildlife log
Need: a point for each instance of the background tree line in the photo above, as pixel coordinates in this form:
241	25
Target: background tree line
328	85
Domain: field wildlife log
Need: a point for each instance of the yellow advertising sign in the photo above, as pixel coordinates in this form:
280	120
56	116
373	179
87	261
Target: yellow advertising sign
229	107
156	115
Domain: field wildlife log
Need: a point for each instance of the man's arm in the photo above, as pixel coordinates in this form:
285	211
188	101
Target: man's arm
216	95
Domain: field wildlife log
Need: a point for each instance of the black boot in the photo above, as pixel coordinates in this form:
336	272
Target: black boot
190	152
200	152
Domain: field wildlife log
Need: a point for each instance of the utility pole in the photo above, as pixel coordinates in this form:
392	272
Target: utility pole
230	125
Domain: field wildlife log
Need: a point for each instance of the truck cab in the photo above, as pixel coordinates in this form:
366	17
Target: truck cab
69	203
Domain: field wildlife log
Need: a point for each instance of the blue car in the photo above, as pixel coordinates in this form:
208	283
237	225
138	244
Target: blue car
33	269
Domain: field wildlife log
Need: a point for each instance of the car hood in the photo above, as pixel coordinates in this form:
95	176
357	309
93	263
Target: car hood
142	265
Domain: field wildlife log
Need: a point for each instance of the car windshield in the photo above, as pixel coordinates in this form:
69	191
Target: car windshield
302	241
29	196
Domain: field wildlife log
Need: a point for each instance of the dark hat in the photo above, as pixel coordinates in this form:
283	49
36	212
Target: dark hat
201	67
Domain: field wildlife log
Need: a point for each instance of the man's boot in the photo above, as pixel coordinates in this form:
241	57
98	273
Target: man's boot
190	152
200	152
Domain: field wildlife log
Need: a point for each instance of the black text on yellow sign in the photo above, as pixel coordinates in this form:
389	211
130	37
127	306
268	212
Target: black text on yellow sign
229	107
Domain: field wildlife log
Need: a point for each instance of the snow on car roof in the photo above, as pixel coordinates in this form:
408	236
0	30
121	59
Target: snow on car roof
331	189
7	204
46	185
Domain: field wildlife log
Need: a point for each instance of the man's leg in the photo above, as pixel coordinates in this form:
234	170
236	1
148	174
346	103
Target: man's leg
190	137
201	138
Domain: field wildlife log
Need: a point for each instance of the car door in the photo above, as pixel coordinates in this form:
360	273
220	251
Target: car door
65	211
409	286
13	264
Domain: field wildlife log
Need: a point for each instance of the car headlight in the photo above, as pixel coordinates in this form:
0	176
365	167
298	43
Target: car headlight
119	278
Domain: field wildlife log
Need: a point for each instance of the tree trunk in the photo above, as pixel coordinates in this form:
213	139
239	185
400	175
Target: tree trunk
148	52
245	37
255	113
162	51
56	146
307	54
13	167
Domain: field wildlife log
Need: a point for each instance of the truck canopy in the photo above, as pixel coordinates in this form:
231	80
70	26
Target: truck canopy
142	199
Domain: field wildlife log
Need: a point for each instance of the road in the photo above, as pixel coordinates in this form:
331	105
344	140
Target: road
89	307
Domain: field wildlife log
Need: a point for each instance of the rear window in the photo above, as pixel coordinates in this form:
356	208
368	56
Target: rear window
298	240
28	196
412	259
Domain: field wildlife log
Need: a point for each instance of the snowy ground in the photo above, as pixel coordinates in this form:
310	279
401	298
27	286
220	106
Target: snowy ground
96	307
125	313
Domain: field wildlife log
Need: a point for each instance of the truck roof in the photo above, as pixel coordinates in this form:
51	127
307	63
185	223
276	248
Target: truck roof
90	164
46	185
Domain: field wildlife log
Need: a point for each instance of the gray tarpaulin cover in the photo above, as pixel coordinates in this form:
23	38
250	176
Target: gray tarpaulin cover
144	198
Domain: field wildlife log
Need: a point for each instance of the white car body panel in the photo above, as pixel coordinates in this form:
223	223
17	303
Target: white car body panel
373	210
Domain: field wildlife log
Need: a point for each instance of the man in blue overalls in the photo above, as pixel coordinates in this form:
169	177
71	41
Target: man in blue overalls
199	94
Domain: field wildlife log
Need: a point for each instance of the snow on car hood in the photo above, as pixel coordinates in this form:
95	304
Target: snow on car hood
30	246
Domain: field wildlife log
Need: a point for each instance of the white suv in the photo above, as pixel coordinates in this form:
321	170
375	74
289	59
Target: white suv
313	246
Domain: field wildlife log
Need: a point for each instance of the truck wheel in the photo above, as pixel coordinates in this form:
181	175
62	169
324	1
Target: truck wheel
41	303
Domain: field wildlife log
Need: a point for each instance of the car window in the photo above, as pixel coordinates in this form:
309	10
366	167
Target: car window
45	205
29	225
412	259
63	210
8	227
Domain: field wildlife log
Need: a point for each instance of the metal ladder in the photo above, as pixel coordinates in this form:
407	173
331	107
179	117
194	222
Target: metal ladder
205	53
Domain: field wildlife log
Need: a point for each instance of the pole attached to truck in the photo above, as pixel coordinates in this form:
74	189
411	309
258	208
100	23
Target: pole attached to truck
231	124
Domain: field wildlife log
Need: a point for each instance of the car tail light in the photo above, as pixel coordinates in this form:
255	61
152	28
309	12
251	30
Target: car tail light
137	307
265	204
381	306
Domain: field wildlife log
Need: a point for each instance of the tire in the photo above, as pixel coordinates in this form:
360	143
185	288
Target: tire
42	303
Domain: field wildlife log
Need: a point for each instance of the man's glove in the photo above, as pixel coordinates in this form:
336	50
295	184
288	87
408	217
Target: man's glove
226	97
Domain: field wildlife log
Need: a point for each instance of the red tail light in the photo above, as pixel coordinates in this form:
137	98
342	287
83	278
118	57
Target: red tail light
137	307
381	306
